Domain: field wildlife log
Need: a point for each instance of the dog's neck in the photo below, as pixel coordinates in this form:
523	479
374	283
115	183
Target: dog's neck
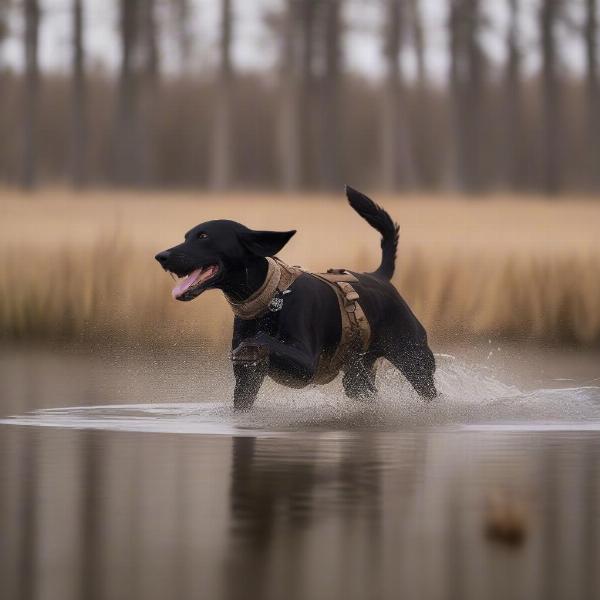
242	283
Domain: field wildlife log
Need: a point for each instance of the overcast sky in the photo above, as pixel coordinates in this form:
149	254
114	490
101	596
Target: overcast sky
254	48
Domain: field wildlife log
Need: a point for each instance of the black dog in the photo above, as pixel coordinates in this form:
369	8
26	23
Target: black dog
303	325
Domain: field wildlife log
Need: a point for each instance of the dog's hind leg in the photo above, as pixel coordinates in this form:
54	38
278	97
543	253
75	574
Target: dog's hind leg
417	364
359	378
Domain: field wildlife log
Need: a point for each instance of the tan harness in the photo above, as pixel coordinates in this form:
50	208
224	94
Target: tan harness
280	277
356	331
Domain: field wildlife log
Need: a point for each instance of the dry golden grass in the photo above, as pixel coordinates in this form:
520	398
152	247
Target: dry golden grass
82	265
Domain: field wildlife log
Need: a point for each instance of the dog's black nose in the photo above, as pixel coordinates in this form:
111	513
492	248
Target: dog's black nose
162	257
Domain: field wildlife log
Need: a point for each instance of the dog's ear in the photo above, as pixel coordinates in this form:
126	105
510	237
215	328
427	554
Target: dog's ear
265	243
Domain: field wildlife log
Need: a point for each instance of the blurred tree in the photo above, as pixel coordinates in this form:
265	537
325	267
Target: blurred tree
4	6
222	155
150	91
183	18
330	34
474	97
418	39
551	102
297	28
514	173
79	129
32	21
396	153
455	168
150	42
529	128
466	89
593	92
290	132
423	127
4	31
127	152
307	92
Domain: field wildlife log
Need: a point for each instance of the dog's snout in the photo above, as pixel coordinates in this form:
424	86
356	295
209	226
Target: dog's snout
162	257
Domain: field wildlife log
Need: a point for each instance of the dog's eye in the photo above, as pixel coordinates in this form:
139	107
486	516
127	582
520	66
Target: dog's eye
202	235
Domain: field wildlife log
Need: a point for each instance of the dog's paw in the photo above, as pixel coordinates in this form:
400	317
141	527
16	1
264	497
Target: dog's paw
250	354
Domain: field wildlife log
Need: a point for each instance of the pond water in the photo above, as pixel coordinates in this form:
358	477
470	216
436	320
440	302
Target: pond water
130	477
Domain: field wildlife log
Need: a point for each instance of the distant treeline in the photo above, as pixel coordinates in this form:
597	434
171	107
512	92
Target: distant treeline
312	123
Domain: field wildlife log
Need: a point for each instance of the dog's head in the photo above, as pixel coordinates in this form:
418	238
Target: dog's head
216	251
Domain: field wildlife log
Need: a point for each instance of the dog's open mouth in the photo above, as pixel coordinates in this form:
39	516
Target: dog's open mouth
189	286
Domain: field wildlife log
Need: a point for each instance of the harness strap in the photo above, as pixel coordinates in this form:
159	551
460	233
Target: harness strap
288	274
356	331
356	314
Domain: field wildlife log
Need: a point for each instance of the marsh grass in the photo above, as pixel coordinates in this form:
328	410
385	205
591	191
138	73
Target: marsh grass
81	267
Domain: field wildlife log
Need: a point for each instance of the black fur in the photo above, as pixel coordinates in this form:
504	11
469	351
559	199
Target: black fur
375	216
287	344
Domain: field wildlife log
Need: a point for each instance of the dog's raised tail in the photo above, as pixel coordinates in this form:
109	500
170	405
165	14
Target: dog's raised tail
378	218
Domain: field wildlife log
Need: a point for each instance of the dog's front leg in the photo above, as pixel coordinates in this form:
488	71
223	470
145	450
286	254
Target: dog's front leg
256	356
250	366
292	361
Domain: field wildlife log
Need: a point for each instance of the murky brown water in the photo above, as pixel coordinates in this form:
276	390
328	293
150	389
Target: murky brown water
153	496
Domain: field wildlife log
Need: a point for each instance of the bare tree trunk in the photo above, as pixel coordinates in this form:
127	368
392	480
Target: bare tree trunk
455	167
418	36
4	31
551	159
4	7
474	98
466	83
79	129
152	62
593	92
127	155
330	38
289	124
424	127
513	125
222	155
308	20
150	95
183	17
32	19
396	154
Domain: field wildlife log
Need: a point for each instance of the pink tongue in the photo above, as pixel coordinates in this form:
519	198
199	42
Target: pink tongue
186	283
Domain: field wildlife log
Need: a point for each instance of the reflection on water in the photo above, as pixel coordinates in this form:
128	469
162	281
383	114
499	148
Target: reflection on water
117	515
315	512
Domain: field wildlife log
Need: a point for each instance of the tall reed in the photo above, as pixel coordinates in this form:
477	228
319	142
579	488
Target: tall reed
83	268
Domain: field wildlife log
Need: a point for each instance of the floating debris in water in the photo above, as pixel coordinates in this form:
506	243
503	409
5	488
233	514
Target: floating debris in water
505	519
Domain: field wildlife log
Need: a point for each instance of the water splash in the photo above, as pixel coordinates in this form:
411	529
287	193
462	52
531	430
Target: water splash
471	397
